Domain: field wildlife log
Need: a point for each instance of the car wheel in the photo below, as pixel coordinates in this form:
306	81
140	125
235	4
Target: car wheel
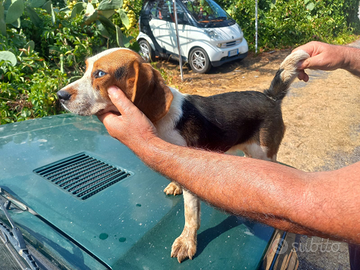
199	60
146	51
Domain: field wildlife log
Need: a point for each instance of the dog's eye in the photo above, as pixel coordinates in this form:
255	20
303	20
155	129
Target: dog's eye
99	74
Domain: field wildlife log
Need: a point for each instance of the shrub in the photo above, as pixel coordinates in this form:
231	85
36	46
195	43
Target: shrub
27	88
48	51
284	23
44	48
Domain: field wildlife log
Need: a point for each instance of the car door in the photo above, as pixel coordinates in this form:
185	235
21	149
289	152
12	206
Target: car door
184	30
159	24
162	25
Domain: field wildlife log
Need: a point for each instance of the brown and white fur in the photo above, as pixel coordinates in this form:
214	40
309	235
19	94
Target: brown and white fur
250	121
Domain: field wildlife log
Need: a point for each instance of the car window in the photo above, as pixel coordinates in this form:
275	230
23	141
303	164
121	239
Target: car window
163	10
153	10
182	19
205	11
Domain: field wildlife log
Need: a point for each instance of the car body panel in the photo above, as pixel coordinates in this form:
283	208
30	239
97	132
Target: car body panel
129	225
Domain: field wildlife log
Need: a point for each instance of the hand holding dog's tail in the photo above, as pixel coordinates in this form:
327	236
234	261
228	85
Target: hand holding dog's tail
288	71
131	127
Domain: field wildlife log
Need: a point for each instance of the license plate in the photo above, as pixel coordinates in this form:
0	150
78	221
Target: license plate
233	52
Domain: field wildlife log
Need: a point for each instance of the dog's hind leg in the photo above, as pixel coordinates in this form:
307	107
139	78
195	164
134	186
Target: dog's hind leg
185	245
252	150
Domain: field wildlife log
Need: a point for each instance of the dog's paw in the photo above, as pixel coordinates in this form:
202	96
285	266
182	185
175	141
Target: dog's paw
183	247
173	189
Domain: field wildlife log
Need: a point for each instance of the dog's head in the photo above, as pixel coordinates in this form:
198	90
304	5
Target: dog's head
124	68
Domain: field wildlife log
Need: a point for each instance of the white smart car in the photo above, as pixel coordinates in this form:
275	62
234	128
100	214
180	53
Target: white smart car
208	35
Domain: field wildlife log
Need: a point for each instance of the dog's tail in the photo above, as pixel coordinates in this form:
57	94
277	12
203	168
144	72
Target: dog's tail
285	75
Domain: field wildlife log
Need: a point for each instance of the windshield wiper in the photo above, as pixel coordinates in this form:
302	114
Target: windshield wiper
14	236
221	18
214	21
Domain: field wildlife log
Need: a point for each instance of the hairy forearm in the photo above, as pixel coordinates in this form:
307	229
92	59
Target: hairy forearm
352	60
268	192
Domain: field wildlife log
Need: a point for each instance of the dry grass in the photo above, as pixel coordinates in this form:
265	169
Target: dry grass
322	119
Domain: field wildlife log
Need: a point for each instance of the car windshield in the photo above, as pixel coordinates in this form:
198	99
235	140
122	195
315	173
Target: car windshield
206	11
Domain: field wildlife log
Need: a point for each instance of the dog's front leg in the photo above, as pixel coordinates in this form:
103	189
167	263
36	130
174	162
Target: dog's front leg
185	245
173	189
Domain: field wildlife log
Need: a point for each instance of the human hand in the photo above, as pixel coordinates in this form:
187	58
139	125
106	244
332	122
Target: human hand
131	127
322	56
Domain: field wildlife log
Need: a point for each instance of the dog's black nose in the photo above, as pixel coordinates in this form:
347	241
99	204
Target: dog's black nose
63	95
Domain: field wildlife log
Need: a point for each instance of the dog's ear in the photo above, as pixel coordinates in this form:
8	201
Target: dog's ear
149	92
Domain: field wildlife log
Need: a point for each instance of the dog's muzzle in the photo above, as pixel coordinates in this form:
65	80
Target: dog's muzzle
63	95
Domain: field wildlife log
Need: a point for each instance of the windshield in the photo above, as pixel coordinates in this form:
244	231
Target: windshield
205	11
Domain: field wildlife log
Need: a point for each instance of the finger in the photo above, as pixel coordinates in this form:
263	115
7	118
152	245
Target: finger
310	47
107	117
303	64
301	73
314	62
303	76
119	99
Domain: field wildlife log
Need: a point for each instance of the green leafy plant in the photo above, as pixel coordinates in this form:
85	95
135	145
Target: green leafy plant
11	12
43	48
285	23
27	85
108	15
38	56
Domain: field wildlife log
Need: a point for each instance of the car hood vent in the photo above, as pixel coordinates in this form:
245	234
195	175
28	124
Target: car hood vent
81	175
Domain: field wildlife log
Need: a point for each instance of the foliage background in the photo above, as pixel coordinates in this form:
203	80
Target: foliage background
288	23
50	41
50	46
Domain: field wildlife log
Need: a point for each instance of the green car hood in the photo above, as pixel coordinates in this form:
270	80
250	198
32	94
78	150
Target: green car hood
130	224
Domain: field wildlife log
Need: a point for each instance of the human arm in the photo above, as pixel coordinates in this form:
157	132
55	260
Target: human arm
329	57
322	204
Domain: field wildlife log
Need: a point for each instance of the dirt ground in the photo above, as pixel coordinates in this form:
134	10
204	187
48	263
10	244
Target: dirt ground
322	119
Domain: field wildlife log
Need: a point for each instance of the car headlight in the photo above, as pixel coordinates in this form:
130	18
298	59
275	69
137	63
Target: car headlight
211	33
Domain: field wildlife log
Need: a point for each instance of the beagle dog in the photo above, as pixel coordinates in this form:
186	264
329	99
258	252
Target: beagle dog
249	121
